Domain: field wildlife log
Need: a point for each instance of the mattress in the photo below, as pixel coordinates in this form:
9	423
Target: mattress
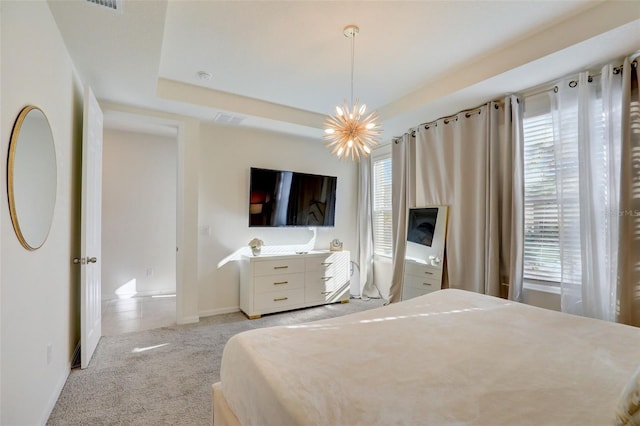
447	358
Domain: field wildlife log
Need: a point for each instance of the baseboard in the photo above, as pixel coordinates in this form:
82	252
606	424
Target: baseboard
51	404
219	311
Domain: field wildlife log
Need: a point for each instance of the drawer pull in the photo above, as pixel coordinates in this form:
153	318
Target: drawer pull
327	263
427	284
326	292
280	267
428	273
280	299
325	278
281	282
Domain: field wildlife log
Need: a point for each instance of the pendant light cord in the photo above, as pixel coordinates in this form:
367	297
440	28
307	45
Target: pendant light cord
353	42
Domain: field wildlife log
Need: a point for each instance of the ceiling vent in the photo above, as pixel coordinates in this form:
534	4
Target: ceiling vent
114	5
223	118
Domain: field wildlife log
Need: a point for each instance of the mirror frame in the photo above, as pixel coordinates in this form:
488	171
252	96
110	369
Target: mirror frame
13	143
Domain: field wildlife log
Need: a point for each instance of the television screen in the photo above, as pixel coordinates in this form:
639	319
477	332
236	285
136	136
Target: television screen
421	225
284	198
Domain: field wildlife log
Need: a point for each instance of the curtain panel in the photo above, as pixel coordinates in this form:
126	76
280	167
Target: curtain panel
366	286
587	158
597	151
471	162
400	159
628	285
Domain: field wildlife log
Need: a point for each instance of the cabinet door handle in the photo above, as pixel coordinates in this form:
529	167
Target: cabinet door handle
327	263
428	272
280	267
427	284
326	292
325	278
280	299
281	282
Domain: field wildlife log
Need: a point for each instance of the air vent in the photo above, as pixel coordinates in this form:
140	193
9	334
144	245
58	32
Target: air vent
114	5
228	119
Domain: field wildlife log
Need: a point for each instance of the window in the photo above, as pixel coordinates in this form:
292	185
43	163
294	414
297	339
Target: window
541	230
382	205
552	181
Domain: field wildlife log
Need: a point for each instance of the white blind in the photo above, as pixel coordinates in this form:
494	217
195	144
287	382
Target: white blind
552	156
541	233
382	206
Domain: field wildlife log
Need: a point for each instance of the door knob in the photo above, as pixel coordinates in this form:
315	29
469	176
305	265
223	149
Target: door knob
92	260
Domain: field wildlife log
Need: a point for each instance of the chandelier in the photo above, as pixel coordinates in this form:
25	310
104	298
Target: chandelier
350	133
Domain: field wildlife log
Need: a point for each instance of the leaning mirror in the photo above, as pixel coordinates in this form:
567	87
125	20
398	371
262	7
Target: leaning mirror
31	177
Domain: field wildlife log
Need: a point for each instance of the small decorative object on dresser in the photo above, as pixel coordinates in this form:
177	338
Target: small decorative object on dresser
256	246
335	245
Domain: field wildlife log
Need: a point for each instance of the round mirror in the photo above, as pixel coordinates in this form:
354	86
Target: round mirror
32	177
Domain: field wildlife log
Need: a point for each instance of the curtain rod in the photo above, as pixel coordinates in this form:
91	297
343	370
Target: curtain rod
534	91
573	83
467	113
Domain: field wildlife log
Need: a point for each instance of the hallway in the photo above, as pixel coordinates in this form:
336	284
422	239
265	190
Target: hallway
121	316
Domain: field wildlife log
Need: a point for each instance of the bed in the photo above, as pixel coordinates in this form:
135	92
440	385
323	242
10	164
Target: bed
451	357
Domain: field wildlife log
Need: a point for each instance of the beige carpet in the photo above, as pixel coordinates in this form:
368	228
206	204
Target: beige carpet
164	376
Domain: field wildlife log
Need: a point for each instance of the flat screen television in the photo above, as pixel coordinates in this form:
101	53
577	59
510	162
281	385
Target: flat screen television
421	225
280	198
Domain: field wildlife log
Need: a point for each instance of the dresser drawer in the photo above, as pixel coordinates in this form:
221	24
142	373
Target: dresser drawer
428	283
278	267
421	269
274	301
320	287
327	262
264	283
321	292
411	292
325	281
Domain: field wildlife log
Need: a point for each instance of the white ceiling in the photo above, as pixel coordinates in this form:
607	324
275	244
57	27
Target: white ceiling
283	65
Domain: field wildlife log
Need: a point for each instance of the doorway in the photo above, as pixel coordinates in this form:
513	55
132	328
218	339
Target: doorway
139	227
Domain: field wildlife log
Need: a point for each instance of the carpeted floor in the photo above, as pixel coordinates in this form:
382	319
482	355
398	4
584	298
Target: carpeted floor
164	376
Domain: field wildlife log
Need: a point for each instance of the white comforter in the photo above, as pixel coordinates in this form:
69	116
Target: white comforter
448	358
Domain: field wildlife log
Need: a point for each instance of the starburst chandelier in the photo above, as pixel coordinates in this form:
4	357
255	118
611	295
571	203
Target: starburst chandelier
350	133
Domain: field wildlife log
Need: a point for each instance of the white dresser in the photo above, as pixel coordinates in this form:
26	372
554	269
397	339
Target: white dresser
420	278
274	283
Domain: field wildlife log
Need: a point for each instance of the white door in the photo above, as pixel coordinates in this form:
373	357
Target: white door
91	223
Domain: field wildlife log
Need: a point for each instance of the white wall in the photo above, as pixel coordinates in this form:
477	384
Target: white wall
39	288
138	213
226	155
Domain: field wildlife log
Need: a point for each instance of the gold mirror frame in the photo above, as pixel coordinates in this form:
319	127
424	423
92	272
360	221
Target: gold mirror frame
32	177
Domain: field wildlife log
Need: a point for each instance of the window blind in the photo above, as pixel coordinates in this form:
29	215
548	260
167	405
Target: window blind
382	226
541	233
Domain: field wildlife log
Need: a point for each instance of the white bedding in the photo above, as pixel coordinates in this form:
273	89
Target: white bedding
448	358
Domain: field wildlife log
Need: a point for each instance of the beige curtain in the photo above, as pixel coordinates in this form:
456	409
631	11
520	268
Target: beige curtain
400	155
629	215
471	162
